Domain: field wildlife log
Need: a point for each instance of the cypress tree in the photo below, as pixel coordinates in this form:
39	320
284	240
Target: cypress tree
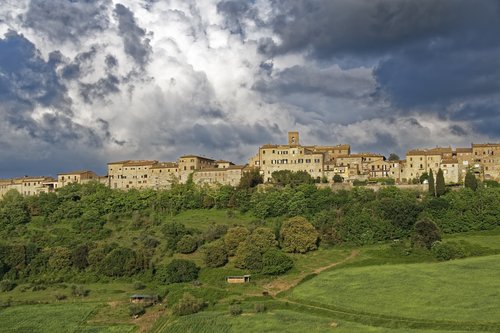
432	188
470	181
440	188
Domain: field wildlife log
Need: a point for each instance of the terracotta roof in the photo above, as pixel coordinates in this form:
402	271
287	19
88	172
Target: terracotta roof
449	161
163	165
119	162
224	161
429	151
366	155
77	172
197	156
485	145
464	150
139	163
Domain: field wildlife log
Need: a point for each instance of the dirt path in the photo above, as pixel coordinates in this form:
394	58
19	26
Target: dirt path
279	285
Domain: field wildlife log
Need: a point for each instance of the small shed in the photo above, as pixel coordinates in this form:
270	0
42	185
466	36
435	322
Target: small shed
144	299
238	279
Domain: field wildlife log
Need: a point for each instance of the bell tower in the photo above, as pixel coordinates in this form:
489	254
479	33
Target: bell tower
293	138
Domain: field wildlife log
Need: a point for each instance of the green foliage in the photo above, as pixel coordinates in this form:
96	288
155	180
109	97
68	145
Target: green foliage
13	210
136	310
79	291
7	285
235	310
119	262
440	186
275	262
425	233
173	232
432	187
214	231
292	178
259	308
234	237
337	178
443	251
215	254
251	178
79	256
248	256
298	235
393	157
178	270
470	181
187	244
423	177
263	238
187	305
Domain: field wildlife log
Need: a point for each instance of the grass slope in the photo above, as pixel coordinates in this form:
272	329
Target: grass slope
273	321
67	318
465	290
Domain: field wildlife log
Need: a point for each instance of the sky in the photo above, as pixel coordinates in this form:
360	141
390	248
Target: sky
86	82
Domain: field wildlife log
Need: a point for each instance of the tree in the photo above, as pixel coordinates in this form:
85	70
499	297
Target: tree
292	178
470	181
215	254
178	270
173	232
337	178
423	177
432	188
425	233
79	256
187	305
263	238
298	235
275	262
440	187
234	237
187	244
393	157
251	178
248	256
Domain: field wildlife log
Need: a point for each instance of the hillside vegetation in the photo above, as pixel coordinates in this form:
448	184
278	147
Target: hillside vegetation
92	245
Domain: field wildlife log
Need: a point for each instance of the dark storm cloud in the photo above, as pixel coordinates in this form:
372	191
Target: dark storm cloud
135	43
100	89
234	12
28	82
67	20
338	27
26	79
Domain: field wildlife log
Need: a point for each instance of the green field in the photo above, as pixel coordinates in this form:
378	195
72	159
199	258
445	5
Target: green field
63	318
273	321
465	290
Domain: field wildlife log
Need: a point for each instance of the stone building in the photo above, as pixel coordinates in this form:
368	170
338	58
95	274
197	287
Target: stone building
130	174
486	159
163	175
28	185
223	175
78	177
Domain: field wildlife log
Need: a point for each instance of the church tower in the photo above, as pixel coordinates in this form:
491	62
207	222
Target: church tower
293	138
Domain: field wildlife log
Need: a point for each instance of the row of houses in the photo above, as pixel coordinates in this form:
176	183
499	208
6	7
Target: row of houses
321	162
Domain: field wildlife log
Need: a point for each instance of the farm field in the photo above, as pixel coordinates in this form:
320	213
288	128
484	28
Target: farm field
274	321
51	318
464	290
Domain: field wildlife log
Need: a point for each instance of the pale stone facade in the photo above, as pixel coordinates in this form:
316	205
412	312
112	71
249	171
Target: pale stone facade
227	175
77	177
130	174
28	185
486	158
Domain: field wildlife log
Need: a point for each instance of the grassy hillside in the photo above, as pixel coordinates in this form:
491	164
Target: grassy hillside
461	290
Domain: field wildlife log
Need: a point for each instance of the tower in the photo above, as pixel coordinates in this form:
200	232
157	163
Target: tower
293	138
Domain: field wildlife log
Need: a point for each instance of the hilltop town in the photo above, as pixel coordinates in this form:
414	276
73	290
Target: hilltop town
321	162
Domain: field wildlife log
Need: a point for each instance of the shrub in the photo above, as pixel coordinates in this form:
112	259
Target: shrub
187	244
248	256
337	178
136	310
234	237
215	254
259	308
139	285
178	270
214	231
60	297
442	251
298	235
187	305
425	233
235	310
7	285
79	291
275	262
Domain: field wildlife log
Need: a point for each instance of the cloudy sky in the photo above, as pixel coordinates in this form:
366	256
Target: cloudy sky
85	82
